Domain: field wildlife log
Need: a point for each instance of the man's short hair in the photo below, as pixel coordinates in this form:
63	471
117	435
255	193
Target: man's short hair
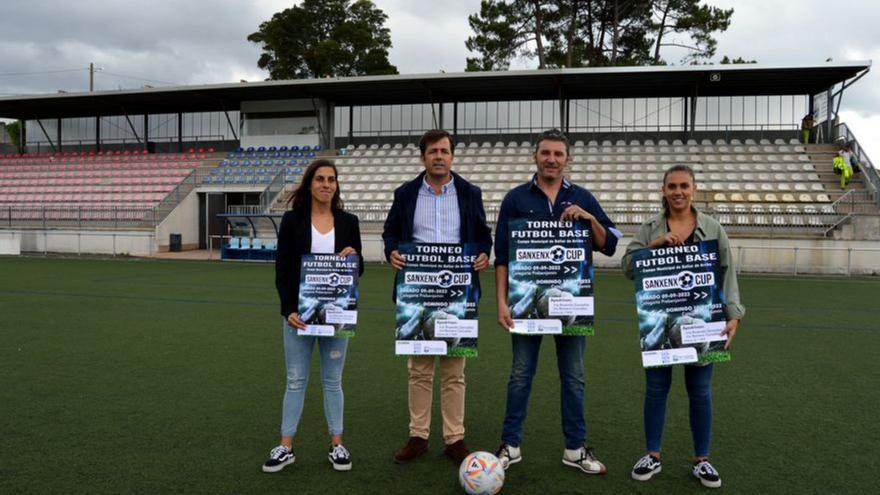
553	135
432	136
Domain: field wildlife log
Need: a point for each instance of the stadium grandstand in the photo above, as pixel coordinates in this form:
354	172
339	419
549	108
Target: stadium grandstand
211	167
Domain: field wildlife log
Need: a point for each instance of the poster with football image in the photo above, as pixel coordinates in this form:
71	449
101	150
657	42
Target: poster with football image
328	295
680	304
550	277
437	300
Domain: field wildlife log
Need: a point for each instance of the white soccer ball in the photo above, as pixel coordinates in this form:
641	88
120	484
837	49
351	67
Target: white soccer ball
481	474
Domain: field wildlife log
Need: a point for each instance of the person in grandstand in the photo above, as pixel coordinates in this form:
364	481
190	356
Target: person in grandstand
680	223
438	206
549	195
316	223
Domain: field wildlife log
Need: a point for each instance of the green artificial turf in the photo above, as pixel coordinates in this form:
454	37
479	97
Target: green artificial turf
135	376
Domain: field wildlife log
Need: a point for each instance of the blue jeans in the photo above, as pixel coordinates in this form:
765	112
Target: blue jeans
698	381
570	361
298	355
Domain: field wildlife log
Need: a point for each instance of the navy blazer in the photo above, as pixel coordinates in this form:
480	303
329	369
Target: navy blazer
474	229
295	239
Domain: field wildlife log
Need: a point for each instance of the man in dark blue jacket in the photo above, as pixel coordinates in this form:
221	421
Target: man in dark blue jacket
551	196
438	206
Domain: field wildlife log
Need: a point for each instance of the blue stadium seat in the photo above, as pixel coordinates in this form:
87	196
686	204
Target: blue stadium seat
257	244
245	243
294	148
283	148
312	154
261	149
234	243
240	150
250	149
317	147
306	148
272	148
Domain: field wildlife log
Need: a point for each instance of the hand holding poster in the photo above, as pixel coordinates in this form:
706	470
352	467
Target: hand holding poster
550	277
680	304
437	300
328	295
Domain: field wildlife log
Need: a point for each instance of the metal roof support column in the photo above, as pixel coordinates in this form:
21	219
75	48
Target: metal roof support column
829	125
686	120
350	125
440	115
229	121
97	133
22	137
46	134
58	133
131	126
146	132
179	132
455	120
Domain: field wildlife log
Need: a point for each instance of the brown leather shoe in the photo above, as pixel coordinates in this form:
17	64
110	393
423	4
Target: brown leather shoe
457	451
414	447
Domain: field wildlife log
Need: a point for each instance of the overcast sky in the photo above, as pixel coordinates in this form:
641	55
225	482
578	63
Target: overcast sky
47	45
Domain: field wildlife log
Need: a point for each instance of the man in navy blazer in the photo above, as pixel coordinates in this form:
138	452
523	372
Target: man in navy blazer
437	206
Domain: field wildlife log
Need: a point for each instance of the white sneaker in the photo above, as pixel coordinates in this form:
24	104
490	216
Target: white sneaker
646	467
279	457
507	455
340	458
583	459
707	474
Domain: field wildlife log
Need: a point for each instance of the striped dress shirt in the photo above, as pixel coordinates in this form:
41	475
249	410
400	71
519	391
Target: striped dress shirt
437	217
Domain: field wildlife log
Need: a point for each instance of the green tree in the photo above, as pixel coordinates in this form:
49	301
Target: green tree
695	22
581	33
738	60
322	38
14	131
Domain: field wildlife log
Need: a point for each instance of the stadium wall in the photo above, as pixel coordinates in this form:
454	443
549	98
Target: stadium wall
753	255
183	220
75	241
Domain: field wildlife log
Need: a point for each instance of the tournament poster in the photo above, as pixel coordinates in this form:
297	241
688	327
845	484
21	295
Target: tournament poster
680	304
437	300
550	277
328	295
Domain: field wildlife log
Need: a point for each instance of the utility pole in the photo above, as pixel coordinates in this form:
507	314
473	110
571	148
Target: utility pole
91	76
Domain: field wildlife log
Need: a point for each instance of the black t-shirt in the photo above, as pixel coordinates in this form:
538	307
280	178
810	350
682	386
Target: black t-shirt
690	239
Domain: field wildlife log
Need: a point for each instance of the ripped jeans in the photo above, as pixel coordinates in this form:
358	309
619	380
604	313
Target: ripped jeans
298	355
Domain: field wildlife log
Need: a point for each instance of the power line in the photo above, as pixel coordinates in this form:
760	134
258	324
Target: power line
137	78
10	74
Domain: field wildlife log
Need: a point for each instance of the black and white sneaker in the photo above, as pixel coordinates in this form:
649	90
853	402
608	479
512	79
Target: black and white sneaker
279	457
707	474
584	459
646	467
507	455
340	458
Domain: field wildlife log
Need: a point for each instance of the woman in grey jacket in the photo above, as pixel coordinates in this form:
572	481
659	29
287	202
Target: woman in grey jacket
677	224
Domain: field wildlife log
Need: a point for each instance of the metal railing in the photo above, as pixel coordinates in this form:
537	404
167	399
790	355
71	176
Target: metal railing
865	164
175	196
272	190
61	216
125	143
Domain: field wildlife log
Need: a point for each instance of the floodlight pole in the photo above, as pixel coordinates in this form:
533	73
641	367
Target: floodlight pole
91	77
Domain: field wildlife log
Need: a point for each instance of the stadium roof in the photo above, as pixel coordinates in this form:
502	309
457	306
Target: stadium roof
548	84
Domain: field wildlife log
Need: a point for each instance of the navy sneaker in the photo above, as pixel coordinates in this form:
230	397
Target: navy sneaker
707	474
279	457
340	458
646	467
